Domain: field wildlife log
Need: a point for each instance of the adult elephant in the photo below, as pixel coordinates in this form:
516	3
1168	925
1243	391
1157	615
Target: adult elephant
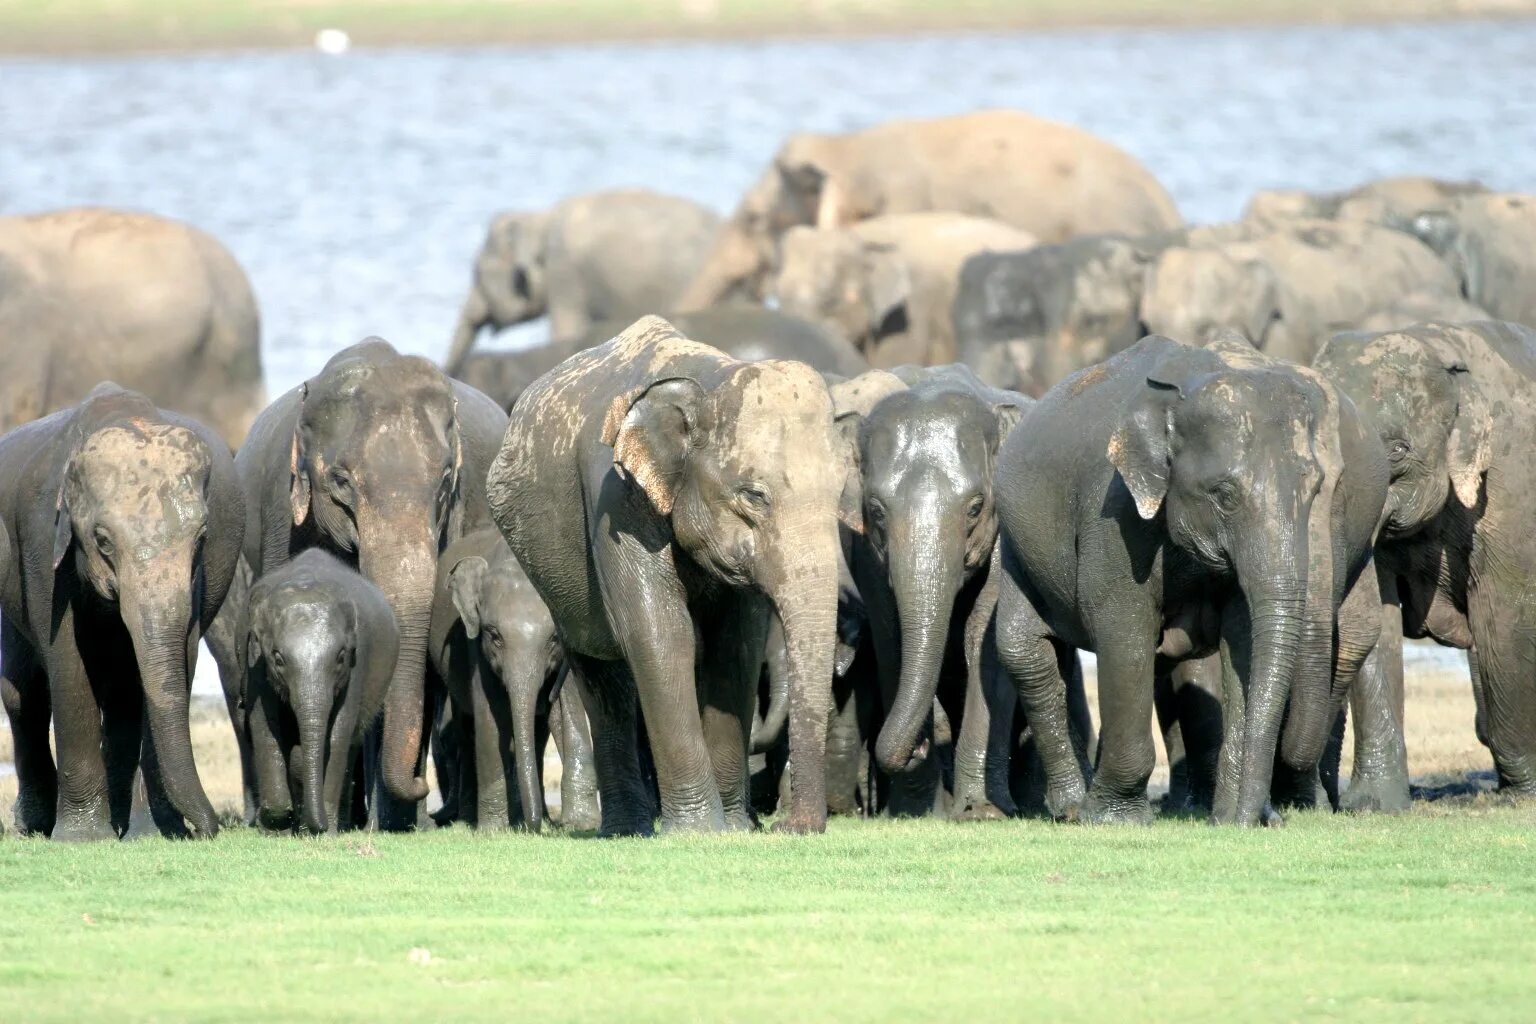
1166	504
1390	202
888	283
744	332
1488	240
91	294
612	255
127	521
380	459
710	489
1454	407
1052	180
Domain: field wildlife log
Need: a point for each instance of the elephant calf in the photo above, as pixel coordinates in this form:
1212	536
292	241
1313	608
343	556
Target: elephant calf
320	648
127	522
493	645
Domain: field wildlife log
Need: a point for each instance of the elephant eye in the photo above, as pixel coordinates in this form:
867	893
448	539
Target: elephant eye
973	510
1398	450
754	499
341	480
277	657
341	658
1225	495
103	542
494	636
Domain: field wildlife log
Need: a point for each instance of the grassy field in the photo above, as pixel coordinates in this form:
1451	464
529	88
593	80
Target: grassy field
32	26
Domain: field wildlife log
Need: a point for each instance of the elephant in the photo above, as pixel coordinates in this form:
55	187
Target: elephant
493	645
126	521
922	533
1289	289
1177	502
611	255
746	332
90	294
1389	202
1488	240
1454	407
319	648
381	460
888	283
709	489
1051	180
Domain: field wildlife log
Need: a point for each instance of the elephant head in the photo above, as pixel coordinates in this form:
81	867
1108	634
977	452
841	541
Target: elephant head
926	456
859	289
1193	293
375	463
506	619
745	475
303	644
803	185
1434	421
132	508
509	284
1243	463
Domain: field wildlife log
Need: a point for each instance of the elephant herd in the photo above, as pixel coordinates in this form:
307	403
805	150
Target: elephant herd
811	509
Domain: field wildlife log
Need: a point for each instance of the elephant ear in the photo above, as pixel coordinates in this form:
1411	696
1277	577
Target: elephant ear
63	519
1009	411
887	288
298	468
653	429
1140	448
852	401
455	497
1470	448
464	581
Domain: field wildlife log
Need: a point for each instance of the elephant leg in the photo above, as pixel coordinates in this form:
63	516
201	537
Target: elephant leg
982	750
1028	655
1379	778
730	663
1118	792
578	784
223	644
608	693
1236	655
486	751
122	740
1506	661
1177	797
845	746
274	796
450	761
1194	697
24	689
83	813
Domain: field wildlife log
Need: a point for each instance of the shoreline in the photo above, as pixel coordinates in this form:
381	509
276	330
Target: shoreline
143	29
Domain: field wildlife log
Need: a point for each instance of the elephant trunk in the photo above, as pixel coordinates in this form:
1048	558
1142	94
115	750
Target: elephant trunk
736	266
771	727
1310	718
1276	615
165	635
805	597
472	317
401	559
314	716
527	679
925	575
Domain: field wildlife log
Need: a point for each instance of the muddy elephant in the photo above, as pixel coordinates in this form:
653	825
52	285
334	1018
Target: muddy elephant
158	306
1454	408
1488	241
1390	202
612	255
1170	503
319	649
888	283
493	645
381	460
745	332
710	490
1052	180
1288	289
127	521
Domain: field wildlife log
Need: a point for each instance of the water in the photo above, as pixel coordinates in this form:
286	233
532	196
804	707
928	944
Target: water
355	190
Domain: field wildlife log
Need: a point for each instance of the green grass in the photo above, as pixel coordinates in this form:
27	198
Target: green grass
75	25
1428	917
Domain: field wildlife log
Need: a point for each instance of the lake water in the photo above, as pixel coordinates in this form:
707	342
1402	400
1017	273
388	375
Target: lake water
355	189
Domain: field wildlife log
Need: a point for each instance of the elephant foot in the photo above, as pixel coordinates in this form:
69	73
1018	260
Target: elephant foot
800	825
1064	801
33	817
1099	809
1268	817
1380	795
976	809
712	820
83	828
740	821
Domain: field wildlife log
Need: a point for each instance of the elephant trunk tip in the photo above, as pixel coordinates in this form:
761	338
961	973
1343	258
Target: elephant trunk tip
898	755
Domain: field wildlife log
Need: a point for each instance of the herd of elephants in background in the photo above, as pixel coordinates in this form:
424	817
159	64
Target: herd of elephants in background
809	509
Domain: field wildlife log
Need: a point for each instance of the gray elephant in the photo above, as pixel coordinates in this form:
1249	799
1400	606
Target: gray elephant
1454	407
710	490
93	294
319	650
611	255
745	332
1175	502
1390	202
127	522
381	460
1488	240
888	283
493	645
1051	180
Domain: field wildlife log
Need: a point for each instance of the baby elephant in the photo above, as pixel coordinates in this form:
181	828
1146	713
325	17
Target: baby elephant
320	649
493	645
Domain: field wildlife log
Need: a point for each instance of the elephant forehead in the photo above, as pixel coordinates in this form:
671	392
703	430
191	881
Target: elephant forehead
154	470
1246	407
775	413
307	621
